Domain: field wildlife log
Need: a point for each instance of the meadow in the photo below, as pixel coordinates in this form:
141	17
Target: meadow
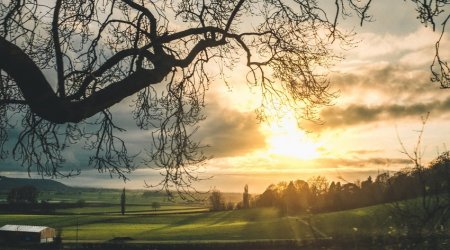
175	224
99	221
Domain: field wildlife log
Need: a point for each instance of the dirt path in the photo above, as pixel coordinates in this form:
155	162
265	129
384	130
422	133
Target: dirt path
316	232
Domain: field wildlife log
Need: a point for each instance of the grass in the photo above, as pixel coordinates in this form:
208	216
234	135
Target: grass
171	224
228	225
105	196
130	209
368	220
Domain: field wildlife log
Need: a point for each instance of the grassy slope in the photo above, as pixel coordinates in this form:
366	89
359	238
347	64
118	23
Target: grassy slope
253	224
369	220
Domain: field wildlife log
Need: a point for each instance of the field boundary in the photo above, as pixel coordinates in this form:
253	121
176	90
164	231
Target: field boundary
272	244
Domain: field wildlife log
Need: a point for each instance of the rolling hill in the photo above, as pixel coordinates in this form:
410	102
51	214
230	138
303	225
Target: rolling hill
7	183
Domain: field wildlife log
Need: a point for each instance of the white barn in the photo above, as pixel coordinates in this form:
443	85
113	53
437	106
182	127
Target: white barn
26	234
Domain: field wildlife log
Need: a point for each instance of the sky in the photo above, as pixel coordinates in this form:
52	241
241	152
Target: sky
384	92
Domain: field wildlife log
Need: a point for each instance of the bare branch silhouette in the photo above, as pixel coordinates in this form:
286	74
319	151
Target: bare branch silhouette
64	64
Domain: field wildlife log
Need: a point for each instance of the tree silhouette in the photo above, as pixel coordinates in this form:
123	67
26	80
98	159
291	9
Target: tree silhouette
155	205
216	201
122	202
429	213
65	63
246	198
23	195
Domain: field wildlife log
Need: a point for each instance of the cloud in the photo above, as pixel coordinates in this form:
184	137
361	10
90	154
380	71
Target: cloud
387	83
352	115
229	132
360	162
383	20
365	151
391	46
378	93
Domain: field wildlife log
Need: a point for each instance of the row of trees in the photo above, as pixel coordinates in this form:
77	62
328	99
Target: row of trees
319	195
123	200
217	201
23	195
417	198
25	198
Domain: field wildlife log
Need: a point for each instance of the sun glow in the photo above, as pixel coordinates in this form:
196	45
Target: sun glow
286	139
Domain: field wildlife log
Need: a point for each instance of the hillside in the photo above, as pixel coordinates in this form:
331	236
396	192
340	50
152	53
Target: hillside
7	183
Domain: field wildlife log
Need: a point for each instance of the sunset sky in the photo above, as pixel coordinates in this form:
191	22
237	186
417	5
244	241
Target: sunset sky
384	90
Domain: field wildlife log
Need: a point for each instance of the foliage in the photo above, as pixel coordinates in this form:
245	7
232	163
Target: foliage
156	205
230	206
216	201
430	184
23	195
81	203
429	213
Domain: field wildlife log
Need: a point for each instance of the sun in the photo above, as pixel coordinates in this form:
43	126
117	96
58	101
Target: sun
284	138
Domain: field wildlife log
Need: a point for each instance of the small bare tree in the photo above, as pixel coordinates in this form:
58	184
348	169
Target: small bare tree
216	201
428	214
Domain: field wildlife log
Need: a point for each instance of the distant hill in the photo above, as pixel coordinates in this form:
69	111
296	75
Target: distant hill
7	183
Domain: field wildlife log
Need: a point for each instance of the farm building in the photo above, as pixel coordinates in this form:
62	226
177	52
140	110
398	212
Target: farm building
26	234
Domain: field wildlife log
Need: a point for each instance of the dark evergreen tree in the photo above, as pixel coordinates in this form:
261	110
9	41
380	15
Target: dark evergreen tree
122	202
246	198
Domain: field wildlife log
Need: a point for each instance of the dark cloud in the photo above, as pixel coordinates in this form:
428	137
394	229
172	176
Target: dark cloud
360	162
230	133
365	152
227	132
353	115
399	81
402	92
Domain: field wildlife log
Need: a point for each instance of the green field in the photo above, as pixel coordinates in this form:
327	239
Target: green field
98	221
229	225
173	225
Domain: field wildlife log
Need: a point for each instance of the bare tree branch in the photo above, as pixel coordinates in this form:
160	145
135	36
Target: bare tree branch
82	58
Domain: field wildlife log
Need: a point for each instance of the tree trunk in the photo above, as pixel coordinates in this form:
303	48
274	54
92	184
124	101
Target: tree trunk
43	101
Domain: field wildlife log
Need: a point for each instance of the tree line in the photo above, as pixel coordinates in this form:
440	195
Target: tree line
417	199
25	199
431	184
317	194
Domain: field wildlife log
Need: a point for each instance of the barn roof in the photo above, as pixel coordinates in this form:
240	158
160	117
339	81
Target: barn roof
23	228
